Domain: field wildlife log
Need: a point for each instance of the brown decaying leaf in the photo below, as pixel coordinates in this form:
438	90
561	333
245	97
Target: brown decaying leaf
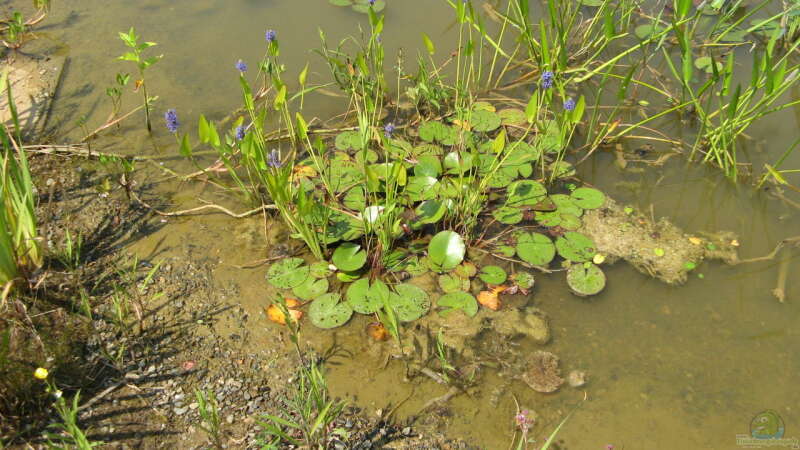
276	315
490	298
377	331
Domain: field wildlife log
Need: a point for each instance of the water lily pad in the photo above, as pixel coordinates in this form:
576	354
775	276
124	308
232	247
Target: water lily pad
432	131
457	162
704	63
327	311
562	169
365	298
565	205
548	218
355	199
535	248
586	279
311	288
575	247
507	215
362	6
570	222
321	269
588	198
349	257
493	275
512	116
484	121
348	277
416	266
429	211
459	300
421	188
410	303
342	227
525	193
288	273
428	166
466	270
646	30
446	250
348	140
524	280
505	250
451	283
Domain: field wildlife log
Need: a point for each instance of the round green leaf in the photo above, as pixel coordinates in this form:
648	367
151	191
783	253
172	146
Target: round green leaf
326	311
586	279
446	250
575	247
321	269
362	6
288	273
429	211
588	198
535	248
450	283
565	205
410	303
428	166
512	116
311	288
466	270
355	199
570	222
505	250
415	266
508	215
524	280
359	298
349	257
493	275
484	121
459	300
347	140
525	193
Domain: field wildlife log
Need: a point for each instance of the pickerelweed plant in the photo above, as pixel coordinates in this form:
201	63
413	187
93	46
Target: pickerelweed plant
399	192
136	56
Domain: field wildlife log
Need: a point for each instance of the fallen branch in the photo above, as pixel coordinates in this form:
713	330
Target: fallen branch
215	207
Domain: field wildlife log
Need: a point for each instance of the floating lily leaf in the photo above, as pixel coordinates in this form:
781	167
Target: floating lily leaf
484	121
466	270
507	215
348	140
430	211
321	269
575	247
450	283
416	266
704	63
370	155
355	199
349	257
288	273
570	222
328	312
421	188
366	299
436	132
562	169
588	198
457	162
344	175
523	280
505	250
548	218
586	279
428	166
646	30
535	248
512	117
410	303
503	177
348	277
311	288
549	138
342	227
446	250
565	205
428	149
525	193
459	300
493	275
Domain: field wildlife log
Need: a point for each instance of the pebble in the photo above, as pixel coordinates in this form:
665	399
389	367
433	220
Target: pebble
180	411
193	406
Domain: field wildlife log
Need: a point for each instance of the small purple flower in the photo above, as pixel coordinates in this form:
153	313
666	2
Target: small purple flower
271	35
241	66
523	420
240	132
610	447
388	130
171	119
274	159
569	104
371	2
547	79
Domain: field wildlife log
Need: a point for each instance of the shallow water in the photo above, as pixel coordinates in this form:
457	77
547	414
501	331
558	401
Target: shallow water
668	367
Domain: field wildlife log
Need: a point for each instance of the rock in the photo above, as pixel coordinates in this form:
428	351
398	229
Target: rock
180	411
229	419
576	378
531	322
543	374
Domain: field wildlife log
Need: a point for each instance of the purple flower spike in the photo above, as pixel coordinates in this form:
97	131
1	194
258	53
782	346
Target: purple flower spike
388	130
240	132
547	79
241	66
271	35
569	104
171	119
274	159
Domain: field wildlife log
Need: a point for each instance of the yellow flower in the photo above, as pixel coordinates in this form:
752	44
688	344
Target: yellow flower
41	373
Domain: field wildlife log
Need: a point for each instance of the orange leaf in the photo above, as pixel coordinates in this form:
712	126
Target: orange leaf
490	299
276	315
377	331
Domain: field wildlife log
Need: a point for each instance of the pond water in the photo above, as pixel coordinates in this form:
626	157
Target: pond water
668	367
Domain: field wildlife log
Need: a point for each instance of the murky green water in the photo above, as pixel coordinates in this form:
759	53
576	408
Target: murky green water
668	367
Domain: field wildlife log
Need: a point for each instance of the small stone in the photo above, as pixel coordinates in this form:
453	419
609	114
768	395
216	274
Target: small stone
193	406
229	419
576	378
407	431
180	411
